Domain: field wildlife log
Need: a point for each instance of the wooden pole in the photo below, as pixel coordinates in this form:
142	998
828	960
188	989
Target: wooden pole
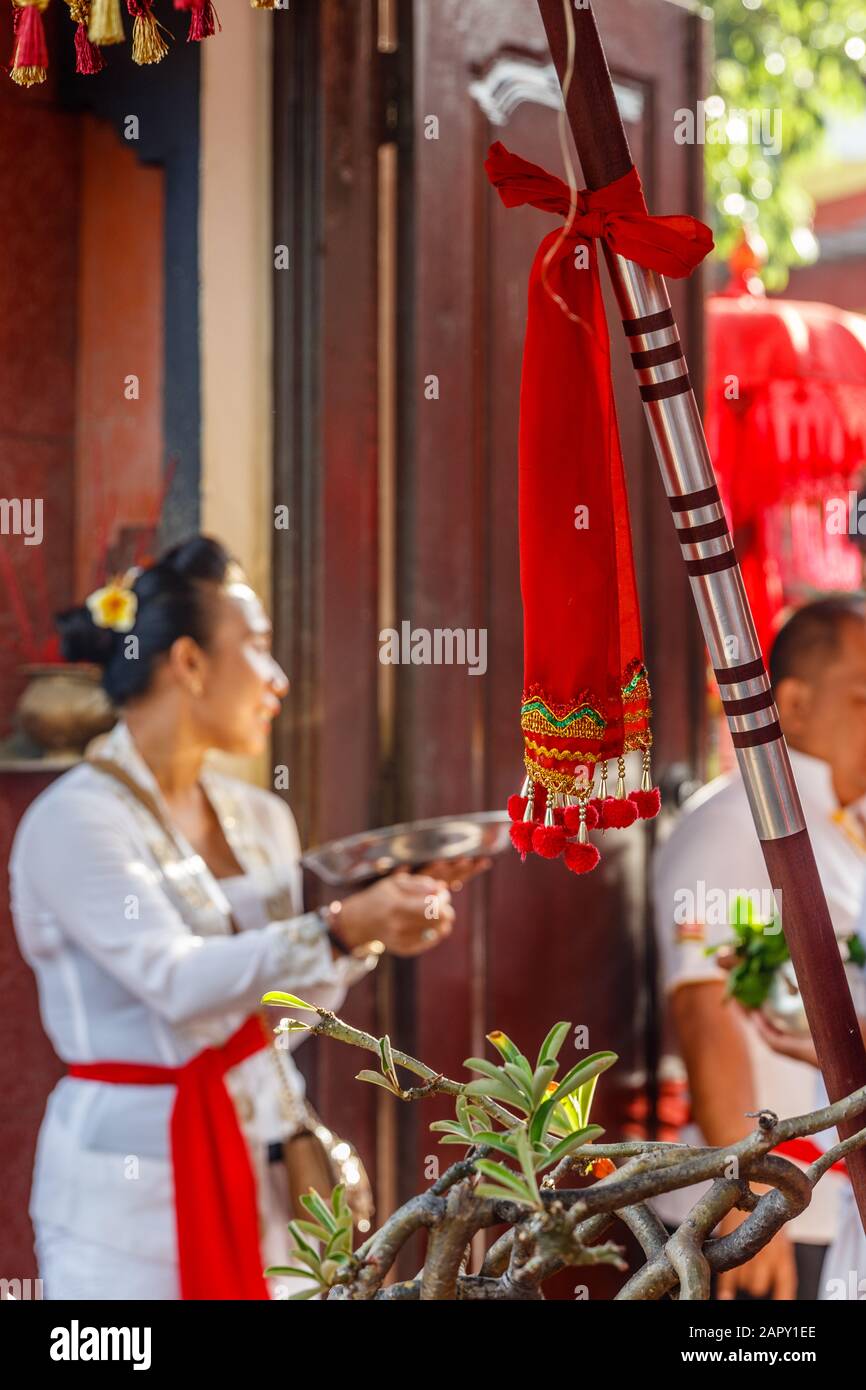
708	551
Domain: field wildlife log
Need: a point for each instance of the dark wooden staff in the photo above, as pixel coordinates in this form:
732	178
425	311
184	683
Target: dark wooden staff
710	559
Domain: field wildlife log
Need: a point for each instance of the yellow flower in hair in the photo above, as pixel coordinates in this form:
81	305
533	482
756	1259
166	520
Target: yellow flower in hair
115	607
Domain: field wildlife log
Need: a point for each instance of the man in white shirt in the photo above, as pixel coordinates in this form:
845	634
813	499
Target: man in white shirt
818	674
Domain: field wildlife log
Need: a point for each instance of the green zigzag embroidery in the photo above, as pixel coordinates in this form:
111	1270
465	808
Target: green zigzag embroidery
639	675
585	711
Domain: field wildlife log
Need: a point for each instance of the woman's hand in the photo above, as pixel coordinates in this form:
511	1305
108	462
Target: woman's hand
800	1048
408	913
456	873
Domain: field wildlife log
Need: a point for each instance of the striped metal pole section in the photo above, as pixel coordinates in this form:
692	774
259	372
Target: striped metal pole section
708	548
714	574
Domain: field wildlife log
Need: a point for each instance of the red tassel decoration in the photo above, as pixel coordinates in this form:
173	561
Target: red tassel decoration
148	45
521	837
648	800
549	841
617	813
581	859
203	21
516	807
648	803
88	57
29	51
572	817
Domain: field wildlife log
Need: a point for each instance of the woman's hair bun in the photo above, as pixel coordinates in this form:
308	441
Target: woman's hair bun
82	640
172	603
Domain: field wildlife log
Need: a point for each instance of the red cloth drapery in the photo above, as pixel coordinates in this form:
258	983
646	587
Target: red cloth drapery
214	1185
586	694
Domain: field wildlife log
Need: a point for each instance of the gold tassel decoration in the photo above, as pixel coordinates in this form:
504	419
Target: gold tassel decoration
148	45
29	52
263	4
106	23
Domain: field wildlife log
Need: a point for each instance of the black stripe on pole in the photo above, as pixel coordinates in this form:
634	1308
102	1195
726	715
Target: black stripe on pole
750	705
663	390
713	564
753	738
693	501
657	357
736	675
693	535
650	323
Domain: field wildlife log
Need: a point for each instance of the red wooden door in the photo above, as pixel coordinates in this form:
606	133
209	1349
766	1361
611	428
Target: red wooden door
407	502
536	944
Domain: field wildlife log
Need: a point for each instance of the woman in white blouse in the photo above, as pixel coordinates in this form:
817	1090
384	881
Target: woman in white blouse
157	900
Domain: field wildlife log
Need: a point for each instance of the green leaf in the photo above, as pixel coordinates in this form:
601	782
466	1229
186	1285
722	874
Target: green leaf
304	1294
337	1239
486	1068
578	1076
582	1099
543	1076
553	1042
312	1262
312	1228
582	1072
479	1116
294	1232
573	1141
318	1208
503	1090
528	1162
505	1046
277	997
521	1079
387	1057
337	1203
491	1168
496	1139
502	1194
447	1127
376	1079
273	1270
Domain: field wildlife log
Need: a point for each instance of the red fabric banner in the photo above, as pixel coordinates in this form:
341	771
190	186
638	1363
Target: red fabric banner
586	694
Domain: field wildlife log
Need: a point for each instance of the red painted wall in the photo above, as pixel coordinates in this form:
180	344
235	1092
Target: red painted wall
121	294
81	307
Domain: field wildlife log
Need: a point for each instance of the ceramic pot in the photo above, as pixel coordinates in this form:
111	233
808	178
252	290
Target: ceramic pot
63	707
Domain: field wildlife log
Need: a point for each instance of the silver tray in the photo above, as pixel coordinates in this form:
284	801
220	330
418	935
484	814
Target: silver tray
377	852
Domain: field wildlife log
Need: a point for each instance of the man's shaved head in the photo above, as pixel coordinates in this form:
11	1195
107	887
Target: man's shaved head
818	674
812	638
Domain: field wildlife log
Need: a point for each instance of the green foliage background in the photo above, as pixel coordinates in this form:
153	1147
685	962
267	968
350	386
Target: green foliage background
806	39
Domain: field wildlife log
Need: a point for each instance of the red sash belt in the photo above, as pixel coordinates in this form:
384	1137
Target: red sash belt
214	1184
807	1151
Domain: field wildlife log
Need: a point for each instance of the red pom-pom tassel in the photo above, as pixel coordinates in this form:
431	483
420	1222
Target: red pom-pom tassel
549	841
516	807
648	804
581	859
617	813
572	817
521	837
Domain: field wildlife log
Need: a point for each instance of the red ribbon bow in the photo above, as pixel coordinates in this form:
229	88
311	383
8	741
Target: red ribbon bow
672	245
